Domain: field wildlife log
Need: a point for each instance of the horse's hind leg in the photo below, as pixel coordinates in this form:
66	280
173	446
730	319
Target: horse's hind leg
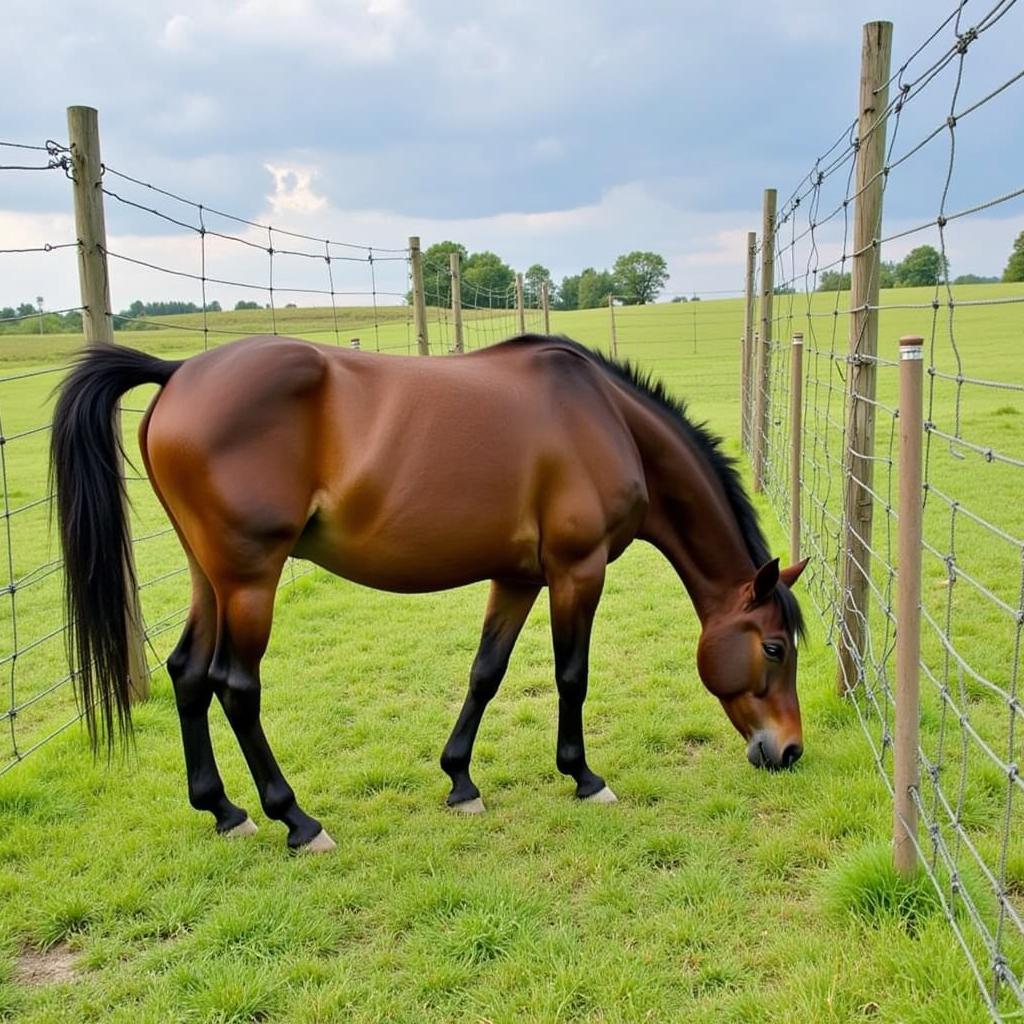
188	667
507	609
245	611
575	592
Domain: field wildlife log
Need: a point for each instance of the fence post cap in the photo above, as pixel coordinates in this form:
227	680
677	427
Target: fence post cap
798	338
911	348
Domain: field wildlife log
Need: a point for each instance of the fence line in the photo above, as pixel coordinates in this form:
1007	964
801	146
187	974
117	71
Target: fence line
38	703
963	780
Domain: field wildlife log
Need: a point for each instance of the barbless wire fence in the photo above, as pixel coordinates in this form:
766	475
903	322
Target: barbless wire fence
361	292
941	102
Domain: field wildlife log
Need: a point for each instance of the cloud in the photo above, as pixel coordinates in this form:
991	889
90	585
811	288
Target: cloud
561	133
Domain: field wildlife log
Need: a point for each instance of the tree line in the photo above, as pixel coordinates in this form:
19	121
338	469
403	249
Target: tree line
489	282
924	266
29	318
635	278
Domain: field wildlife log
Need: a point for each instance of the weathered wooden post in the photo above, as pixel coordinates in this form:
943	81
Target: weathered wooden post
419	302
98	328
746	361
796	399
764	349
454	261
614	333
520	304
908	607
545	301
858	465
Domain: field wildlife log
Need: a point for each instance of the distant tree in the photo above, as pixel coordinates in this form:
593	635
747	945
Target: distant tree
974	279
887	274
243	304
290	305
569	292
784	289
1015	266
639	277
679	298
534	279
834	281
437	282
922	266
487	281
213	307
595	287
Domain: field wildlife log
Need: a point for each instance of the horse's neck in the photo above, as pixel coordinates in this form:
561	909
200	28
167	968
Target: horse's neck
690	519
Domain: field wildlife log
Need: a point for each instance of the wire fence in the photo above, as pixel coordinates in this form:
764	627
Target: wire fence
167	243
943	101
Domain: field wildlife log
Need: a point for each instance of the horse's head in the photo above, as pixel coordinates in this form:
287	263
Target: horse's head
747	659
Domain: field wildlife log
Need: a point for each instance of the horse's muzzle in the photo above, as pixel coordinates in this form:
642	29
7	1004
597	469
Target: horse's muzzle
763	752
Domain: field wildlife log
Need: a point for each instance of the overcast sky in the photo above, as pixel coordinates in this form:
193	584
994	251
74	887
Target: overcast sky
563	133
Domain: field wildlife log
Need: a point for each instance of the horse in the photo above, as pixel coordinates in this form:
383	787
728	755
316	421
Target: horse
533	463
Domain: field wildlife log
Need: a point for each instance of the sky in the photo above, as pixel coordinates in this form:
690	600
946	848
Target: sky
563	133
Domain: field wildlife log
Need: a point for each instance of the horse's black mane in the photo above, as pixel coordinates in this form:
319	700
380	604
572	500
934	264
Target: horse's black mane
652	389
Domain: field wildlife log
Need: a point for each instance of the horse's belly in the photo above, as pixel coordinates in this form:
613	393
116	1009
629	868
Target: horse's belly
417	558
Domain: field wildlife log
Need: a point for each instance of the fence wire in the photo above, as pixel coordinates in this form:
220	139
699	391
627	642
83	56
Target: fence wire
277	265
945	98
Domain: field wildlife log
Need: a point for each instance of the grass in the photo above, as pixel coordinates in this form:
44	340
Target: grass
710	893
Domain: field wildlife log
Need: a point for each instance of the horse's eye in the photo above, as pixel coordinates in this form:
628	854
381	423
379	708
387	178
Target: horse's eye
773	651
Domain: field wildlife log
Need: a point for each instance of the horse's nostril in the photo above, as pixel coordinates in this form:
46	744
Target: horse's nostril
791	755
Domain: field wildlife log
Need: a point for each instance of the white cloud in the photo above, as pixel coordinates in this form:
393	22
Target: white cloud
293	192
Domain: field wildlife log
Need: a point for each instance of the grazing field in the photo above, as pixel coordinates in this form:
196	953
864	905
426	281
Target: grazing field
712	892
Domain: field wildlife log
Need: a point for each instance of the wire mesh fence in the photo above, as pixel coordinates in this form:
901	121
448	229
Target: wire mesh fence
943	101
359	291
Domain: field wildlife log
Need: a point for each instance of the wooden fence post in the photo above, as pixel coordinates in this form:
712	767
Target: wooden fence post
796	401
454	261
419	302
545	301
764	350
98	328
520	304
908	608
746	360
614	333
858	465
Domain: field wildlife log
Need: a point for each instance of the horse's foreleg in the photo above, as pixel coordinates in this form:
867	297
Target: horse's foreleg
575	593
507	609
244	631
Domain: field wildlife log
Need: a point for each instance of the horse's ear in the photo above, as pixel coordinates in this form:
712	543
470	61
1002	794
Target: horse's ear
791	573
765	581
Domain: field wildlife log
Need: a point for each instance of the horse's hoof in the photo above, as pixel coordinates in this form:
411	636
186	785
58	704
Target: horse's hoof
320	843
602	796
246	828
474	806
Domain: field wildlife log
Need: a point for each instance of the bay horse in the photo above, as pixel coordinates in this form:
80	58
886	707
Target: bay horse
532	463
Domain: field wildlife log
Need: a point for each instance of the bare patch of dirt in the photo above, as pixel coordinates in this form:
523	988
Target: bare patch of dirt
36	967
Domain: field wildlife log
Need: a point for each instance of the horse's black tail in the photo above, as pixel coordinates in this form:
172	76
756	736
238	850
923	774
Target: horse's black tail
94	537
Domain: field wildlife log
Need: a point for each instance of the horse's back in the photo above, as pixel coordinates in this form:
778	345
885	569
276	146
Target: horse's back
403	474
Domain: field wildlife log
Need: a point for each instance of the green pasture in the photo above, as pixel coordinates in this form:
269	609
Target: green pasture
710	893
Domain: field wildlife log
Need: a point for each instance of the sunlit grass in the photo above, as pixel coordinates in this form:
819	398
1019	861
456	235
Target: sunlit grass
710	893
